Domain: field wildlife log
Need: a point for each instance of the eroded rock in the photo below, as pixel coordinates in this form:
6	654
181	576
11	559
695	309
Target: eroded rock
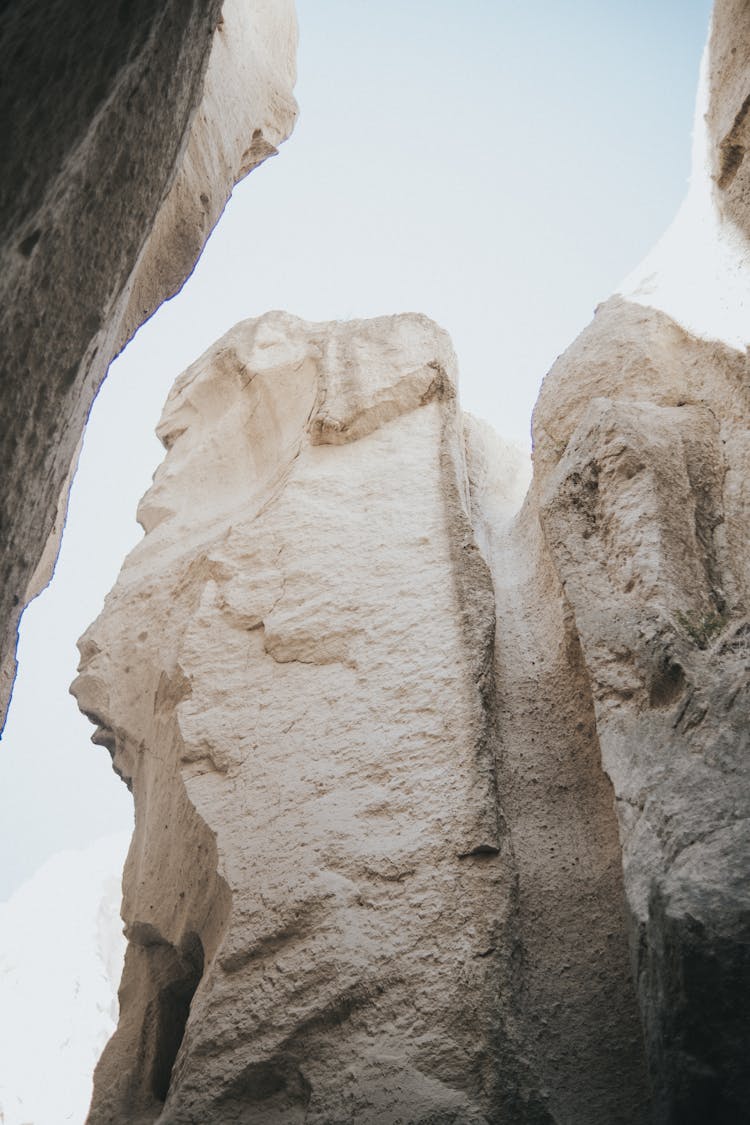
304	693
331	913
641	459
729	109
126	126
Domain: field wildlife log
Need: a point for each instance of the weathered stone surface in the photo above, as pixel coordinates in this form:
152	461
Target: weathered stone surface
124	129
379	873
729	109
572	1007
642	451
332	914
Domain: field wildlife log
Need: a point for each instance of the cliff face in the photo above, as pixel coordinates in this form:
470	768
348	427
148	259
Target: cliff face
296	674
441	811
728	115
641	459
125	127
641	462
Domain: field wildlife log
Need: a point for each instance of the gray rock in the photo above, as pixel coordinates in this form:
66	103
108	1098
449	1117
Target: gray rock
641	446
124	128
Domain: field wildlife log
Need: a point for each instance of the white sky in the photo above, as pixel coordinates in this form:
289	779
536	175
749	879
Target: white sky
498	166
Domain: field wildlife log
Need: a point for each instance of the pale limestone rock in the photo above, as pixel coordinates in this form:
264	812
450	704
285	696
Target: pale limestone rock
297	675
293	672
117	169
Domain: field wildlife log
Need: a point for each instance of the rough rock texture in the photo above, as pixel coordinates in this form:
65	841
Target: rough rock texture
572	1011
642	464
334	913
729	109
442	814
125	126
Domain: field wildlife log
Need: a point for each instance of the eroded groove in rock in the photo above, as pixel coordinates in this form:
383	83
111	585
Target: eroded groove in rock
569	998
125	127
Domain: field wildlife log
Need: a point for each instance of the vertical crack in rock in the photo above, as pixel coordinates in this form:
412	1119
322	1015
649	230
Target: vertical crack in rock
175	974
475	611
566	1000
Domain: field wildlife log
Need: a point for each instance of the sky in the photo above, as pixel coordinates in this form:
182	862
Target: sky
498	166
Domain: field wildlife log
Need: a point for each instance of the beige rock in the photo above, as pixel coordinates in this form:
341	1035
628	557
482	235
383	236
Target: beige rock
291	672
642	449
106	203
379	873
729	109
571	1004
331	914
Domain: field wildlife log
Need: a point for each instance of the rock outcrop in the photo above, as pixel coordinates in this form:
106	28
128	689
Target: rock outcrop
442	811
728	116
126	125
332	915
642	451
641	468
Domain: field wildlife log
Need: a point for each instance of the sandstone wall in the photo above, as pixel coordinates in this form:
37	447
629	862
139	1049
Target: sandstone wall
124	128
441	812
642	450
729	109
296	673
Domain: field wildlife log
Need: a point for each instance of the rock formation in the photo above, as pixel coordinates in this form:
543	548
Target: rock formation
126	125
641	482
728	115
295	674
641	459
441	811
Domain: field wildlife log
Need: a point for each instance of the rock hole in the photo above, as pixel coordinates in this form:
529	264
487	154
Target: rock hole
181	972
667	685
29	243
481	851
